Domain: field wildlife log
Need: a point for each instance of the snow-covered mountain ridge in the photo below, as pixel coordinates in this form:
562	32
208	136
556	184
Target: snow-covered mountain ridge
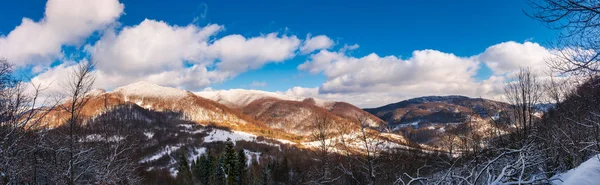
243	97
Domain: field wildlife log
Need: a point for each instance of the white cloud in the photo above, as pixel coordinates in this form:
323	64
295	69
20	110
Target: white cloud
156	52
193	57
183	56
65	22
375	73
238	54
347	48
373	80
53	81
258	84
315	43
363	100
510	56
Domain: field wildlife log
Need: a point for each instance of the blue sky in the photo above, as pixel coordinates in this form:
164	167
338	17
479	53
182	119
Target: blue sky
387	28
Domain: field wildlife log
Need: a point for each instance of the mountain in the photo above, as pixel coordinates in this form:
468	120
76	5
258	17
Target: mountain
162	99
292	114
245	110
440	121
168	122
438	109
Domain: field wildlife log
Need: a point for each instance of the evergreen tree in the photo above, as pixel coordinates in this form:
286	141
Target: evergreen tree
184	175
230	163
220	175
281	171
203	169
210	171
241	168
266	172
255	173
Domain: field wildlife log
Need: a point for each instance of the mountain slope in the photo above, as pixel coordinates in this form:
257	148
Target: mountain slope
438	109
292	114
163	99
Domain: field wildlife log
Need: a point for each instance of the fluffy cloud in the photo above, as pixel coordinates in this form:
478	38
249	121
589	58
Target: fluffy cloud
183	56
315	43
364	100
52	82
65	22
238	54
151	47
508	57
373	80
193	57
156	52
374	73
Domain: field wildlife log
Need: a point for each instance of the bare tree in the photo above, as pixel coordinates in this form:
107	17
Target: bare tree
18	117
505	166
556	90
363	148
524	93
323	126
372	147
116	148
80	81
578	24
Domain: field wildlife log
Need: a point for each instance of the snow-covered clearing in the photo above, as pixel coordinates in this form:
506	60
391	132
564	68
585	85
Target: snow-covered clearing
190	129
221	135
587	173
98	137
167	150
197	152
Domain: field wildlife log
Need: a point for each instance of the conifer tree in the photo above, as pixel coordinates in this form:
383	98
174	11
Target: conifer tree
230	163
220	174
211	162
203	169
184	175
242	168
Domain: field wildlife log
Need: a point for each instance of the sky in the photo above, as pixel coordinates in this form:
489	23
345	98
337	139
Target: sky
366	53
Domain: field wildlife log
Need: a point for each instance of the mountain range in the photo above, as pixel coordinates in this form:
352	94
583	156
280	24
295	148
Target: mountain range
167	120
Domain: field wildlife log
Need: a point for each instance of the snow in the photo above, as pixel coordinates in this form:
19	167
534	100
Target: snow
353	141
173	172
187	126
190	129
250	155
222	135
587	173
98	137
95	92
94	137
413	124
165	151
323	103
115	138
197	152
286	141
145	89
149	135
243	97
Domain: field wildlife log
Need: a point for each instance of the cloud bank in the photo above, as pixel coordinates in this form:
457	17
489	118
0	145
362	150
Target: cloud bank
195	57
